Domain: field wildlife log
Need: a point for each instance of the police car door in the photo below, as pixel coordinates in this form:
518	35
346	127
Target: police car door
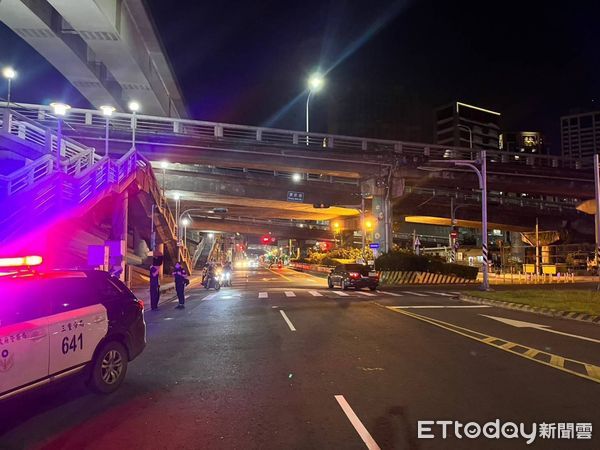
77	322
23	334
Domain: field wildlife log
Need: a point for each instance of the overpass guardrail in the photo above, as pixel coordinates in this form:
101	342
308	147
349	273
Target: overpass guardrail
90	119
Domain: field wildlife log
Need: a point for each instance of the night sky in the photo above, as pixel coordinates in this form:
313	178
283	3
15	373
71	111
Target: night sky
247	62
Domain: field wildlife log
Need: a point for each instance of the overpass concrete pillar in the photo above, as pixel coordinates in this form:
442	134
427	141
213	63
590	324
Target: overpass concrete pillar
118	242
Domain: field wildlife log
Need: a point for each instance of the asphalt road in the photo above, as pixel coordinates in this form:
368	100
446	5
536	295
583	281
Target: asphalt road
279	361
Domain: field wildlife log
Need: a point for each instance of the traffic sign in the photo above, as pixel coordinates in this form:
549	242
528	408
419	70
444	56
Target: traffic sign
374	245
454	234
293	196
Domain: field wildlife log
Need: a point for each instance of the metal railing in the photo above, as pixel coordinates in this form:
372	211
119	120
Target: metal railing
82	174
406	151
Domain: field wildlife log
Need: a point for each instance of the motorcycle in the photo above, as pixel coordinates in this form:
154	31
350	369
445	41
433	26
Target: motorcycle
213	282
226	278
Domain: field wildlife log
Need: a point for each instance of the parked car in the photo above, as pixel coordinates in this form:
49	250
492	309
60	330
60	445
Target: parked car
353	275
61	322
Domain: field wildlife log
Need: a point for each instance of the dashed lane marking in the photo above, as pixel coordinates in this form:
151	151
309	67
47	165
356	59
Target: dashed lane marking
415	293
393	294
280	274
263	295
315	293
290	294
287	320
444	294
366	294
340	293
357	424
571	366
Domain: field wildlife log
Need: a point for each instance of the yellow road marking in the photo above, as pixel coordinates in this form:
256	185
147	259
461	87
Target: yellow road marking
556	361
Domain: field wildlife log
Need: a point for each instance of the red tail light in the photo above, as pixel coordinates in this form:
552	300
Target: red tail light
140	303
354	274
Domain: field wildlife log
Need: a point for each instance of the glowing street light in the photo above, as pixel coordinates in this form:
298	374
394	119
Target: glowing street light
134	107
315	84
59	110
9	73
185	222
107	111
296	177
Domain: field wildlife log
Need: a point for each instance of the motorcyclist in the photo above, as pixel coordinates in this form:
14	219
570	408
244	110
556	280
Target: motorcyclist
227	273
210	275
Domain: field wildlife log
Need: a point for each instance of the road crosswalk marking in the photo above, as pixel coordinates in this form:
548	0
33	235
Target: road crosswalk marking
441	293
263	295
366	294
290	294
340	293
315	293
393	294
415	293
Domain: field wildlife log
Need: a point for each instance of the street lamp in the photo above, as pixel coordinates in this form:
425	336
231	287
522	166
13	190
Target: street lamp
185	222
107	111
296	177
134	107
481	172
315	84
163	166
60	110
9	73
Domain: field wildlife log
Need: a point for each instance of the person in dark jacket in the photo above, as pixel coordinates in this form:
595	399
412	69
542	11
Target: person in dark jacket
181	281
154	287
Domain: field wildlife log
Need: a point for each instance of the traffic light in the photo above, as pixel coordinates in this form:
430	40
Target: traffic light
268	240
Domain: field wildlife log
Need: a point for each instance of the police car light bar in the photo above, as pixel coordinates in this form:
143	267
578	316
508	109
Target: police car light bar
22	261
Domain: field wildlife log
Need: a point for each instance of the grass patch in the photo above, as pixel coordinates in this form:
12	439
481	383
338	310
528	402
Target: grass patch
576	300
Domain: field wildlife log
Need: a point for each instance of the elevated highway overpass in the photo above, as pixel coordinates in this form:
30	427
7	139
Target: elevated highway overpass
251	168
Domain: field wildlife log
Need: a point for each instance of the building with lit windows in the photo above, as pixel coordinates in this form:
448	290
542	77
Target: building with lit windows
462	125
529	142
580	136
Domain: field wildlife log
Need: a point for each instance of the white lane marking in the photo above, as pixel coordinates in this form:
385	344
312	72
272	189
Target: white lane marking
340	293
393	294
290	294
439	306
315	293
287	320
357	424
537	326
441	293
366	294
210	296
187	296
415	293
263	295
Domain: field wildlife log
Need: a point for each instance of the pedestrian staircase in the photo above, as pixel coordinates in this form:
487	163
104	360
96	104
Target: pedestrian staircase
47	187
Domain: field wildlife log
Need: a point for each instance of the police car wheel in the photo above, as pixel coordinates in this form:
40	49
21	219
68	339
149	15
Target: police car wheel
109	368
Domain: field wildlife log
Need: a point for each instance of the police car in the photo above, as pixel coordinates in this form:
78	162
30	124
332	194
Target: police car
57	323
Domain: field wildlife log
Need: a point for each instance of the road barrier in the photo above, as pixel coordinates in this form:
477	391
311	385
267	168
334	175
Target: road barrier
394	278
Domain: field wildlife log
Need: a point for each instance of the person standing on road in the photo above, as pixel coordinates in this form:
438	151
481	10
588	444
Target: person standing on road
154	287
181	281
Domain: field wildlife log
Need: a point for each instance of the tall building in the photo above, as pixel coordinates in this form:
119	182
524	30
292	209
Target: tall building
461	125
580	136
532	142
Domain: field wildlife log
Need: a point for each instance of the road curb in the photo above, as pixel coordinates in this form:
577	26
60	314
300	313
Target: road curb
570	315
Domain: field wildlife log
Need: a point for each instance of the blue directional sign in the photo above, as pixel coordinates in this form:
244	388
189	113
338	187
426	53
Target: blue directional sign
374	245
293	196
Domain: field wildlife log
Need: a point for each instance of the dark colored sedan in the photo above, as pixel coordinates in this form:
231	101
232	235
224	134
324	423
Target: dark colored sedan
353	275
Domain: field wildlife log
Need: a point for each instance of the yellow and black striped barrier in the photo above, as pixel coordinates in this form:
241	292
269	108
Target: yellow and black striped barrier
395	278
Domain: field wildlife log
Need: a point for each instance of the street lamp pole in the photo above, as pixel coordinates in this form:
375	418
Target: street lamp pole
134	107
465	127
481	172
9	73
315	83
60	110
107	111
